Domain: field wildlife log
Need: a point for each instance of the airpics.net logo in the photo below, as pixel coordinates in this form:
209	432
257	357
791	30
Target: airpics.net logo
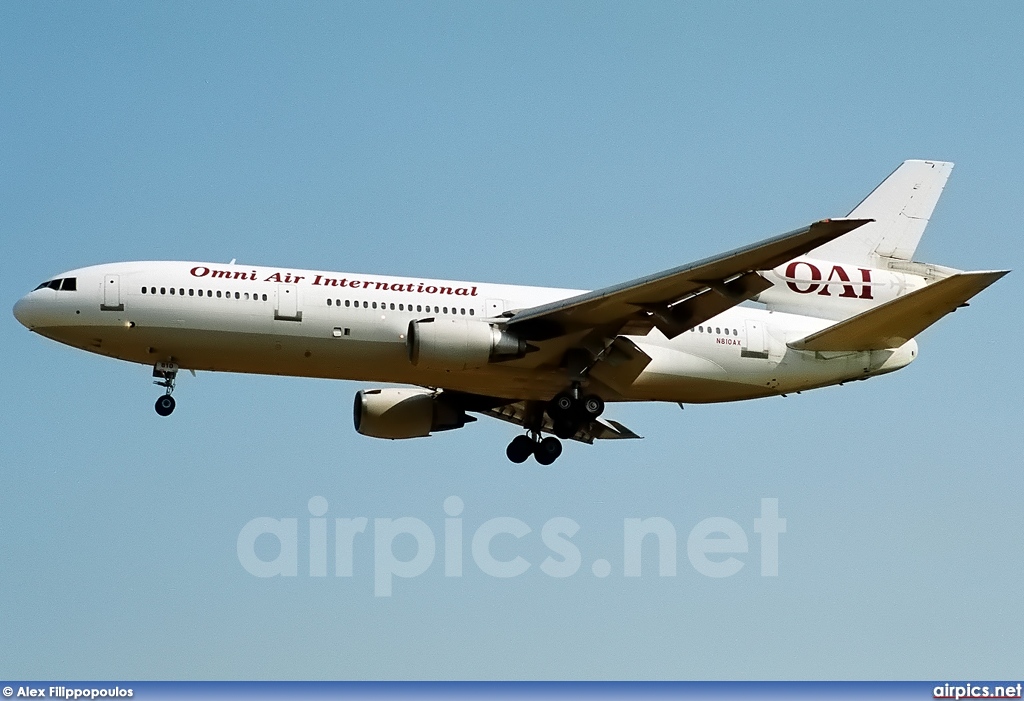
407	547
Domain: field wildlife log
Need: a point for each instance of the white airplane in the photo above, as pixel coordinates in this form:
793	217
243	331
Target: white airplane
835	301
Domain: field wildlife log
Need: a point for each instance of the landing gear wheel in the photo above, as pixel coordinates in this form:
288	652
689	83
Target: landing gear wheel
562	405
564	428
520	449
165	405
593	406
548	450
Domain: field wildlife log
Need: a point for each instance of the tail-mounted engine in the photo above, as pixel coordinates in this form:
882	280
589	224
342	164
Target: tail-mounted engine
460	344
405	413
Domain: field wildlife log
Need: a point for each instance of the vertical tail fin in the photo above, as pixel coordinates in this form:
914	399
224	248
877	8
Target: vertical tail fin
901	207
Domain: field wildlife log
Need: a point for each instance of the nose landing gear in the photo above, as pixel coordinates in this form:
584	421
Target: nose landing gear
166	372
165	405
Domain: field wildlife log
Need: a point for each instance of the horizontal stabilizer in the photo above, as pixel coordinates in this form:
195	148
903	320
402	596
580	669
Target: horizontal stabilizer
894	323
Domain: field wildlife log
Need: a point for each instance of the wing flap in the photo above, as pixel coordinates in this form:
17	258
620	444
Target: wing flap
598	429
620	365
892	324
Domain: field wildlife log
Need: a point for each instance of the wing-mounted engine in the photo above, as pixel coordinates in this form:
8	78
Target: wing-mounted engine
405	413
460	344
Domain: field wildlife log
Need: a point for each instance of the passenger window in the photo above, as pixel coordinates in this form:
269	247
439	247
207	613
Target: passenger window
471	312
181	291
346	302
717	330
366	305
436	310
163	290
144	290
446	310
330	302
191	292
152	290
264	298
218	294
374	305
419	307
701	329
247	295
392	306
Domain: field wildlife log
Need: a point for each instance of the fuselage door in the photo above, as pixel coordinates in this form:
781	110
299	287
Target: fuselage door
112	294
287	307
753	341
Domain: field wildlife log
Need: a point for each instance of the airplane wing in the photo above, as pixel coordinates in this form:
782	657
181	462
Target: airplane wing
678	299
892	324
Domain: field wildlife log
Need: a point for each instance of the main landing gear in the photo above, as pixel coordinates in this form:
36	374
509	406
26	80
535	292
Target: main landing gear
569	412
545	450
166	372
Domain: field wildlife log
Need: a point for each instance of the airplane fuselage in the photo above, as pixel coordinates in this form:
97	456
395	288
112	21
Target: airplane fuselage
274	321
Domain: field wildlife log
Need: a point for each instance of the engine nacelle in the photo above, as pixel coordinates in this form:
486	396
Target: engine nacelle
405	413
459	344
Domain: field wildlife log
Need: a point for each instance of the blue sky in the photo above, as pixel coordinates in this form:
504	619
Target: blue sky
557	144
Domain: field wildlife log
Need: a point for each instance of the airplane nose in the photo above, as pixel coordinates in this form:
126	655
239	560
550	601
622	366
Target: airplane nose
27	312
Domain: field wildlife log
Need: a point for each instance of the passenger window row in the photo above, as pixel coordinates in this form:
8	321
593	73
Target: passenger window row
402	307
717	329
180	291
67	284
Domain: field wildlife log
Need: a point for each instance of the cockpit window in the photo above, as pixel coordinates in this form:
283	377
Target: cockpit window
68	284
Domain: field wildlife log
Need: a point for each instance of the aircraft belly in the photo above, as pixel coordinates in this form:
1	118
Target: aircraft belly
310	348
301	356
676	375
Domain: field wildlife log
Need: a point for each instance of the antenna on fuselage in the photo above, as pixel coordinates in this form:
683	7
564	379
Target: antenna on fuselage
232	261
